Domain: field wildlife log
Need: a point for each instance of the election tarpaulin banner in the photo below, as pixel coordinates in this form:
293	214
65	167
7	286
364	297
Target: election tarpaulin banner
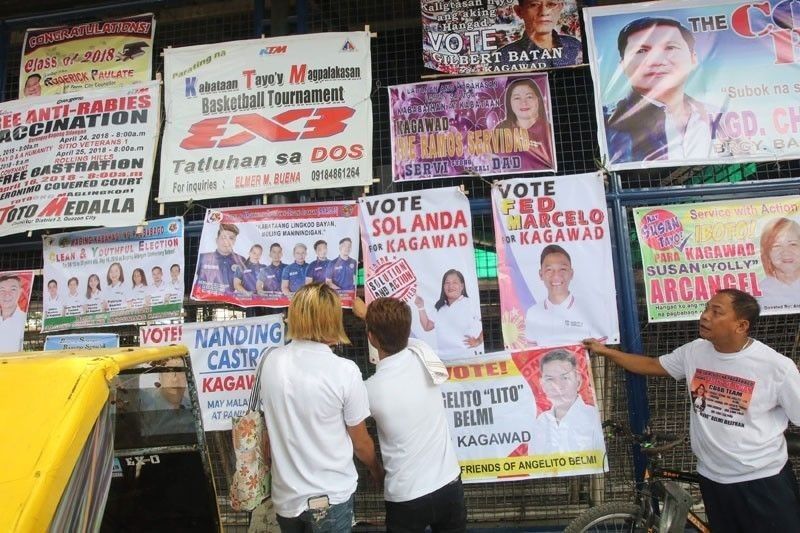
224	358
103	277
474	126
267	115
15	299
554	261
525	415
261	255
92	55
690	251
500	36
84	160
418	248
81	341
669	89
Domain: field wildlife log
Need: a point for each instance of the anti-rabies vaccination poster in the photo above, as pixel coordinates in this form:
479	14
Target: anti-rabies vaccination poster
500	35
554	261
267	115
82	160
93	55
15	300
224	358
261	255
669	89
472	126
527	415
104	277
690	251
418	247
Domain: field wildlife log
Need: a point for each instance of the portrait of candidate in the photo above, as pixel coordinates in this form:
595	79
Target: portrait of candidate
12	318
33	86
570	424
342	270
216	270
657	120
541	46
269	279
780	257
555	320
294	274
525	108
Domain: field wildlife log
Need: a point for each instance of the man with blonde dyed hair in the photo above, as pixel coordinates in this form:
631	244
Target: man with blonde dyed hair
315	404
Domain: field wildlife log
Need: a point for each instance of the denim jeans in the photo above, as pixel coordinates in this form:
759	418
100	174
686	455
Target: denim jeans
443	510
335	519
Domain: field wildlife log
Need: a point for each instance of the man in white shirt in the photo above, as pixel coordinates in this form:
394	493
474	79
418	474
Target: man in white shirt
569	425
53	305
751	393
556	320
159	289
422	485
175	287
73	304
12	318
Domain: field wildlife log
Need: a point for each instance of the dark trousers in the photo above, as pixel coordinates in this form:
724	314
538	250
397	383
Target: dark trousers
769	505
443	510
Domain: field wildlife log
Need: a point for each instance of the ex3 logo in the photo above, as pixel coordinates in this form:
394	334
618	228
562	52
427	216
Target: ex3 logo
311	123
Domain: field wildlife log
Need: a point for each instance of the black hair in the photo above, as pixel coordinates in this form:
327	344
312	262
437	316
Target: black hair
650	22
551	249
744	305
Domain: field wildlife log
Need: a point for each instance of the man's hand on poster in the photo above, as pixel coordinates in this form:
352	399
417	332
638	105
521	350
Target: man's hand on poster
596	345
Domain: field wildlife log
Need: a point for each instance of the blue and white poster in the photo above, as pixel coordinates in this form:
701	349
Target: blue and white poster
681	83
81	341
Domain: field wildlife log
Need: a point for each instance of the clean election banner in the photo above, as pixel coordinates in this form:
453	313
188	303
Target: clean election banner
669	85
554	261
261	255
224	358
81	341
93	55
474	126
103	277
525	415
500	35
82	160
418	248
690	251
267	115
15	300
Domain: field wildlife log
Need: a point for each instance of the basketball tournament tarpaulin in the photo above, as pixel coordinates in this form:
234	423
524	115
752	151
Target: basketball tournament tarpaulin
267	115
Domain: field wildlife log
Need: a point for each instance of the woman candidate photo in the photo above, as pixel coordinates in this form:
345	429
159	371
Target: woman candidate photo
780	257
455	320
525	109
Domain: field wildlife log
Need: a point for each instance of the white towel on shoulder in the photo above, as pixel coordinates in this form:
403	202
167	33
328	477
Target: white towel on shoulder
432	363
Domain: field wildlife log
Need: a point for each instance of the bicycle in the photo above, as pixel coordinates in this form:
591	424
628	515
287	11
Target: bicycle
661	504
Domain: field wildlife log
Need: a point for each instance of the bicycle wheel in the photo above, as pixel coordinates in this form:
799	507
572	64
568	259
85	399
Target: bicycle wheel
609	517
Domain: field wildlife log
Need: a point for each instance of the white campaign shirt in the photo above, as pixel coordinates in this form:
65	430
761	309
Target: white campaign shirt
451	324
750	397
54	307
309	394
73	304
549	324
116	297
578	431
158	293
416	446
94	303
12	331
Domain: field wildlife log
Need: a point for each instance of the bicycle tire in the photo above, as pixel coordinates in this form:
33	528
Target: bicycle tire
608	517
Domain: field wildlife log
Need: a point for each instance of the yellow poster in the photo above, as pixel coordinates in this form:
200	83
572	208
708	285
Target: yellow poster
93	55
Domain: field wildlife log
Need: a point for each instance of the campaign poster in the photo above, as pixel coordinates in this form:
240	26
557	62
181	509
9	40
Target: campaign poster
267	115
500	35
261	255
81	341
15	299
525	415
92	55
706	82
224	357
418	247
469	127
82	160
554	262
105	277
690	251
